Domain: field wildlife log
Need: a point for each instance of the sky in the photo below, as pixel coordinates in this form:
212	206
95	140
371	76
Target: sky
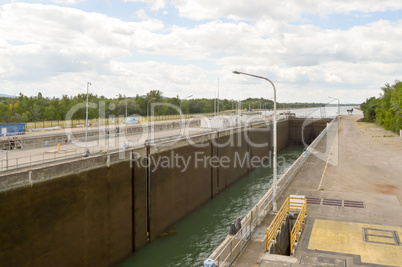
310	49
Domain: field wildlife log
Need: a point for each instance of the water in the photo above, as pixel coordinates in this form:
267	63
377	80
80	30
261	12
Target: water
194	238
328	111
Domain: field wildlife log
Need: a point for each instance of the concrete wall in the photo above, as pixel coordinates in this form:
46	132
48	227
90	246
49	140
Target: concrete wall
305	130
176	191
98	210
78	219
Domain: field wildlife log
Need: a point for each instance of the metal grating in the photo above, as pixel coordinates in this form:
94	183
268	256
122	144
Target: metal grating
335	202
314	201
332	202
353	204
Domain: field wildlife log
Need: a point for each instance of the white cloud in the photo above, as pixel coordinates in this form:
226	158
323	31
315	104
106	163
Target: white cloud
141	14
278	10
57	49
155	4
64	38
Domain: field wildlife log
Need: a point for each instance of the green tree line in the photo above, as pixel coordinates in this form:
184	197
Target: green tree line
385	110
40	108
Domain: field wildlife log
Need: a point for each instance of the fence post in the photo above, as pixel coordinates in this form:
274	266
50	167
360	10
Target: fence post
251	219
256	211
231	250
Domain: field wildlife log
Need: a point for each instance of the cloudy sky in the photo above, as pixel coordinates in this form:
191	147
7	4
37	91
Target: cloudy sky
310	49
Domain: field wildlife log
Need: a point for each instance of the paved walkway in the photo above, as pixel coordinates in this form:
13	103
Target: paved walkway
364	165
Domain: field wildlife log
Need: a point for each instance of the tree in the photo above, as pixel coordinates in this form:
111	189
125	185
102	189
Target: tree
368	109
385	110
132	107
36	112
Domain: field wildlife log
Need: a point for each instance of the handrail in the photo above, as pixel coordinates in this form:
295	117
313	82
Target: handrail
294	235
292	203
276	223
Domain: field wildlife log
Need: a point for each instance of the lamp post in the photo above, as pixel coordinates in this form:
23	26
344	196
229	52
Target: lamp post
181	113
86	124
339	111
126	117
274	206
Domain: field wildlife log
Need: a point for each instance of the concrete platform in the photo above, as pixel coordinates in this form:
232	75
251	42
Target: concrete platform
357	216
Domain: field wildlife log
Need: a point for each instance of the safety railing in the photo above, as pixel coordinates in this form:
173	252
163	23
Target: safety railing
232	246
44	125
276	223
7	163
294	235
292	203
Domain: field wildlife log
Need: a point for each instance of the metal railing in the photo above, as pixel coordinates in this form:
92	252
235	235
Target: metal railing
292	203
294	234
42	158
43	125
232	246
276	223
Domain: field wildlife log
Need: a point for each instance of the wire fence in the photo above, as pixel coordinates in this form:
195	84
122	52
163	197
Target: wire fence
42	158
232	246
41	125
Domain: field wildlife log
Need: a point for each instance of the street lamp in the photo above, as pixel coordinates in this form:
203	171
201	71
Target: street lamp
86	124
126	117
339	111
181	113
274	207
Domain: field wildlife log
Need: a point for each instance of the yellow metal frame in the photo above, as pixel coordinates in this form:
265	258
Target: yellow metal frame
276	223
297	227
281	215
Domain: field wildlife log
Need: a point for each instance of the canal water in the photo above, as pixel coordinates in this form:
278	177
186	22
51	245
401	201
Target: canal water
194	238
327	111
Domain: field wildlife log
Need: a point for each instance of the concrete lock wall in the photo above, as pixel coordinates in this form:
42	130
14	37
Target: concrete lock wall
98	210
78	219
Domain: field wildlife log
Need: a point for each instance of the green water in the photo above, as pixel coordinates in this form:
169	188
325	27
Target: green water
197	235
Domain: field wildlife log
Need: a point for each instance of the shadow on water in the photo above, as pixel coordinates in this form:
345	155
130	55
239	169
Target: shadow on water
190	241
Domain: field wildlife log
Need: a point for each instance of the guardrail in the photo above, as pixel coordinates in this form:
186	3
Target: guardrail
276	223
292	203
232	246
294	234
42	158
43	125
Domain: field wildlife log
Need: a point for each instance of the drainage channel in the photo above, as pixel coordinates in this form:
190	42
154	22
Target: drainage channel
193	239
